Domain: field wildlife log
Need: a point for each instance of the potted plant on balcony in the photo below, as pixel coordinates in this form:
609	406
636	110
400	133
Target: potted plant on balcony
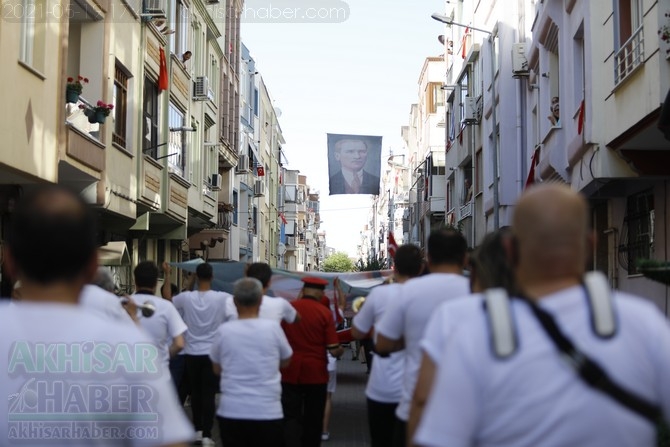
664	34
100	112
74	88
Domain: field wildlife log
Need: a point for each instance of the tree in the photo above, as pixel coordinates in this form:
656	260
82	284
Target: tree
338	262
371	264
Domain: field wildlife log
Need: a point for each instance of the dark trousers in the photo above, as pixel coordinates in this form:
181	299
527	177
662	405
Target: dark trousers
203	392
399	433
179	376
248	433
381	420
303	414
368	346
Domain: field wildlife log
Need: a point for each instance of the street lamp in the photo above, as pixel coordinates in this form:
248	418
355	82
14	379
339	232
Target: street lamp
494	144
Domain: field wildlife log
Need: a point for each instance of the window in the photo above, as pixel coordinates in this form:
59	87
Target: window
179	22
235	205
213	77
150	141
640	222
463	87
434	96
176	141
578	65
33	28
479	177
120	101
628	37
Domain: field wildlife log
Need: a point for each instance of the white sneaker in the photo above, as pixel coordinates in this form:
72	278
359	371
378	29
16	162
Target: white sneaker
198	437
325	436
208	442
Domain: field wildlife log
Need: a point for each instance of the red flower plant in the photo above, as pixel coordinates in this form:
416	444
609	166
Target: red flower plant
77	85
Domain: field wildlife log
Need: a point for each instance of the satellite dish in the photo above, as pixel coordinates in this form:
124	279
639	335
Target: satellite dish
441	38
278	112
281	249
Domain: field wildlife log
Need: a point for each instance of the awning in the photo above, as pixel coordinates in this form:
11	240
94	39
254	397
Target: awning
114	253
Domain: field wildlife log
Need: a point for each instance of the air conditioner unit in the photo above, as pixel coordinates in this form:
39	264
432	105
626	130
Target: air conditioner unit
200	88
519	61
216	182
259	188
471	115
242	164
154	9
290	241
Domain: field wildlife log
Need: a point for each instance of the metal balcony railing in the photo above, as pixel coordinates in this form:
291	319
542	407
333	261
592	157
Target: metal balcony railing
629	56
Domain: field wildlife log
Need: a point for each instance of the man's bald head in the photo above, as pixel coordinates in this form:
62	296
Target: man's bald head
551	225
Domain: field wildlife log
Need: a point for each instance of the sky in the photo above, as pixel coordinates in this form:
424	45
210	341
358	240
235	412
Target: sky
354	76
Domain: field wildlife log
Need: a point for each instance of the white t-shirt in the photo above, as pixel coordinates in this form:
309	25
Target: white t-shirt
534	397
62	366
408	316
249	352
385	383
277	309
103	303
203	313
164	325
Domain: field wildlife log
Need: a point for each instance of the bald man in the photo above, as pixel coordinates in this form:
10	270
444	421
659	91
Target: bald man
534	397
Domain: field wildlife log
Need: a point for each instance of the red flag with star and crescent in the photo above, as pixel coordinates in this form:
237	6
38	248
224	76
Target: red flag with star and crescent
392	245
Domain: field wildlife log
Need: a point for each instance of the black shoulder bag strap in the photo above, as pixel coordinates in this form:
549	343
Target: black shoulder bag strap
591	372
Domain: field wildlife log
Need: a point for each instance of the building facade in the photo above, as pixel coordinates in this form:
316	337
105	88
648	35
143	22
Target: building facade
143	136
579	88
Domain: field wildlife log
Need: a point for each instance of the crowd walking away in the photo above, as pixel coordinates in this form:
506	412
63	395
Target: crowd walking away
511	342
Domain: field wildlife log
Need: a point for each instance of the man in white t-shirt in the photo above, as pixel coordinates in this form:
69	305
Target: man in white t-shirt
104	303
203	310
247	355
534	397
404	322
165	327
71	377
277	309
384	388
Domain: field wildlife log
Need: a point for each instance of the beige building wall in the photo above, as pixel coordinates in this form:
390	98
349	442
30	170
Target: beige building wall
33	92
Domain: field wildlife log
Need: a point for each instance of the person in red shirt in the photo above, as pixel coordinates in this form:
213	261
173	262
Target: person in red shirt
304	381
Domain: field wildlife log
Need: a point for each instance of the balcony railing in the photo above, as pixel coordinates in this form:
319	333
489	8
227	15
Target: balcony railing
629	56
225	220
466	210
75	116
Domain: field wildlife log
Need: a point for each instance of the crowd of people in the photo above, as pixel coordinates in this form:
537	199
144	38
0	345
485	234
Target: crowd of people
527	349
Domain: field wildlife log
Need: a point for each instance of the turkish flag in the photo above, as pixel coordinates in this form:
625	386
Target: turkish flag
393	246
260	171
580	123
464	42
531	172
163	81
283	219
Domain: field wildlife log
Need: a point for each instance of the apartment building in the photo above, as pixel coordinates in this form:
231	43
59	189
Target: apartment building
301	241
143	137
424	139
579	87
607	63
256	195
390	209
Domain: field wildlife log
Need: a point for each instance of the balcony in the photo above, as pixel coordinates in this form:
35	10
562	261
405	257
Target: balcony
75	117
466	210
629	57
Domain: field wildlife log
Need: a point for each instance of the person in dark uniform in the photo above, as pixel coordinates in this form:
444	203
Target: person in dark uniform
305	380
